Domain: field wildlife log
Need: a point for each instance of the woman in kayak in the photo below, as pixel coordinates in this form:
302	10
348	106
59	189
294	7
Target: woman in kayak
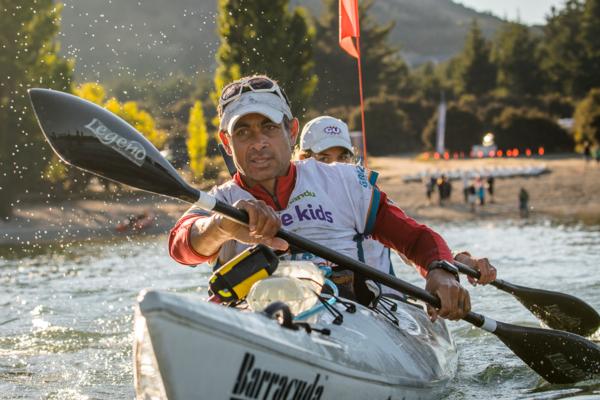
327	139
327	203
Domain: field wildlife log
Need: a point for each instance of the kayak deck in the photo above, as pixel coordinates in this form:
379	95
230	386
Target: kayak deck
203	350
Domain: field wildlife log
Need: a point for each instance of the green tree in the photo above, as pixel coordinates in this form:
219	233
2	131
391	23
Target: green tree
28	58
590	37
524	128
389	127
515	52
264	37
428	81
384	70
587	118
463	129
197	141
476	72
563	50
129	111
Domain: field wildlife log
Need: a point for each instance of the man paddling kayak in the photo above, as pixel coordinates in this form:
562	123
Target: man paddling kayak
330	204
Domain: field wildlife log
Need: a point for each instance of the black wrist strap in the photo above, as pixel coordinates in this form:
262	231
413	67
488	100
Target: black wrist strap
446	266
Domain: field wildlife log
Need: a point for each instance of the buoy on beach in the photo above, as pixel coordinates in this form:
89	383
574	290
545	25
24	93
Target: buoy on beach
541	151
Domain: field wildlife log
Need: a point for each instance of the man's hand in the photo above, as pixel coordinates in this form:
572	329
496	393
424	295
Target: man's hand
262	226
455	299
487	270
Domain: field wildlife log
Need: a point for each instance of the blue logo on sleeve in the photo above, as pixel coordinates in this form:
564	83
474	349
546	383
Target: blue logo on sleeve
362	176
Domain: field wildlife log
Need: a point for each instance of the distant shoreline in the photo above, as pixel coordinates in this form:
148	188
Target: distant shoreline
570	193
81	220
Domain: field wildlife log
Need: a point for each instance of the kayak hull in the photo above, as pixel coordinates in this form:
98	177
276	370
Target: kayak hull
204	351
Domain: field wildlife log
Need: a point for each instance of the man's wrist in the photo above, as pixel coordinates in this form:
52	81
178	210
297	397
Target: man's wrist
221	233
207	236
443	265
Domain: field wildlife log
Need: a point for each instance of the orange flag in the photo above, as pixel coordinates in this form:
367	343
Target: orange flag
349	27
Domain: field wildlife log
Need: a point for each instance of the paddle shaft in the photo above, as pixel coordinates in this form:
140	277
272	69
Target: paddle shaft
350	263
473	273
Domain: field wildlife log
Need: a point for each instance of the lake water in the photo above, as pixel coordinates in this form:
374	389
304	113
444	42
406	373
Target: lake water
66	311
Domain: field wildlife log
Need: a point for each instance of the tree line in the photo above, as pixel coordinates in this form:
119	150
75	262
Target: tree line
517	84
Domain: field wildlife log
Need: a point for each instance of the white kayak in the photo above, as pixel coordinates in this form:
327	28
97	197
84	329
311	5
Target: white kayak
188	348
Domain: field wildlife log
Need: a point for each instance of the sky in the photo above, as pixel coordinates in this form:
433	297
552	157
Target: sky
530	11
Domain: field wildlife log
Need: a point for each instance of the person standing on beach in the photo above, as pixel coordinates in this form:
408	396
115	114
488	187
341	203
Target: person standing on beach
472	196
523	203
480	188
587	151
490	187
429	188
598	155
444	189
465	183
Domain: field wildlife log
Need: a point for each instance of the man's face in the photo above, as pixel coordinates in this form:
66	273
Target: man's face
261	149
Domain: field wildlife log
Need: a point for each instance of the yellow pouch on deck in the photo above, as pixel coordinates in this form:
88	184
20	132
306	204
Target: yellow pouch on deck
233	281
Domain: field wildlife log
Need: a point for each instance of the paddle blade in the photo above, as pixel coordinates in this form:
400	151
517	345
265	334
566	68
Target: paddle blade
558	310
92	138
559	357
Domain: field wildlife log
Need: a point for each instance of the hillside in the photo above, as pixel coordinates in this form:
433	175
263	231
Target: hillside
432	29
148	38
426	30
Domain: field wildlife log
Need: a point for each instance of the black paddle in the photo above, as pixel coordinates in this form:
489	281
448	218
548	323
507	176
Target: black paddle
555	310
91	138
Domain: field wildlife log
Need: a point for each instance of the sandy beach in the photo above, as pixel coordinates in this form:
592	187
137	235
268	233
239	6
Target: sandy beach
86	220
569	193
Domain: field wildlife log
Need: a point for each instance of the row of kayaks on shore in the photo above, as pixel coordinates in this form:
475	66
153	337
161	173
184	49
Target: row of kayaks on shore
496	172
187	348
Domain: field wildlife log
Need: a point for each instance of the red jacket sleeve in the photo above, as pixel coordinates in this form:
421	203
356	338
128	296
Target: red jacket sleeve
180	248
416	241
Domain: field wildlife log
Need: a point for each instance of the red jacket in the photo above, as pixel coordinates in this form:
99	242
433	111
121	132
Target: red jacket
393	228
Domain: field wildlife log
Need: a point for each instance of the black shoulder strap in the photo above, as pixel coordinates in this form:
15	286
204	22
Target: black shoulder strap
228	160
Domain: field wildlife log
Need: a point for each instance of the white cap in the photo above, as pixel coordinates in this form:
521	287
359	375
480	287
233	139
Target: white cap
323	133
268	104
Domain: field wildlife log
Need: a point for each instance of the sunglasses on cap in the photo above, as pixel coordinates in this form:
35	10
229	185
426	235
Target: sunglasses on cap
257	84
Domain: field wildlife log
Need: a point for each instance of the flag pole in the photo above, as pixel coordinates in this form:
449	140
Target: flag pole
350	28
362	104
